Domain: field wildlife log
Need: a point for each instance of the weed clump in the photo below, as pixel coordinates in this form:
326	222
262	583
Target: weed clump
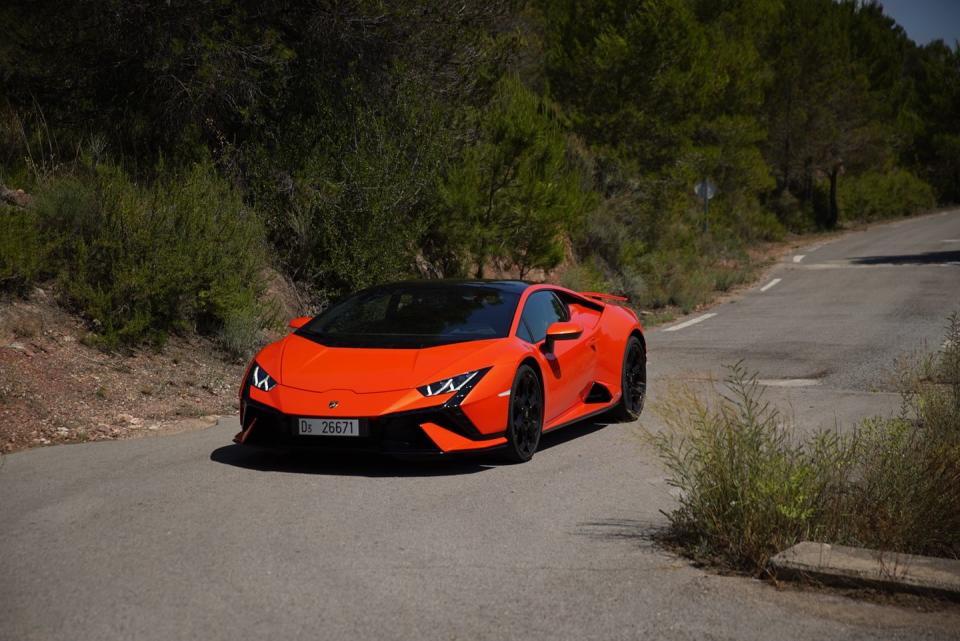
750	486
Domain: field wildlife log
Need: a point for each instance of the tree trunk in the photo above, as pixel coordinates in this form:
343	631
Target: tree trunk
833	215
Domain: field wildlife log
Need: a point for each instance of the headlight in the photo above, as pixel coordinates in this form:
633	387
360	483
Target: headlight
260	379
454	383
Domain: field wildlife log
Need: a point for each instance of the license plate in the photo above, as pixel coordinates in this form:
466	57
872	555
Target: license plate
328	427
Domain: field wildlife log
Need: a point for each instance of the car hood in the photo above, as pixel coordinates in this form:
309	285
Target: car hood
310	366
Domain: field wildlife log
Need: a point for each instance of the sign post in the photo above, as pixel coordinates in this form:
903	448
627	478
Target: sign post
705	191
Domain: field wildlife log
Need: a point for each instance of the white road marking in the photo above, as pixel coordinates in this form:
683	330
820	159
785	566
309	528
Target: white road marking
789	382
951	240
507	393
692	321
772	283
799	257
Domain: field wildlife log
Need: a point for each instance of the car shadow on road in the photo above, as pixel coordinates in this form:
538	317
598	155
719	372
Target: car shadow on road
342	463
570	433
380	466
927	258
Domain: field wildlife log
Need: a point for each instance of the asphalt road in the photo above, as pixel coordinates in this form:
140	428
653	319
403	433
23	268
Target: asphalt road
189	537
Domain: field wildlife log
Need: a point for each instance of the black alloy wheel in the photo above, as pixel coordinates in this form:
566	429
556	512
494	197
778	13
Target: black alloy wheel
525	416
633	382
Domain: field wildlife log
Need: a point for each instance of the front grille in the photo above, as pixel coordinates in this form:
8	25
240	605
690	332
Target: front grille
399	433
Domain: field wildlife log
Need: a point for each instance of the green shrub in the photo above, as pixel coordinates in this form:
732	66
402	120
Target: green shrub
686	279
21	249
726	277
139	262
585	277
749	486
240	334
906	480
689	288
876	195
758	224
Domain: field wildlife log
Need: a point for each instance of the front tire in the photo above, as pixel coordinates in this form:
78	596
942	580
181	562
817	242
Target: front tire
525	416
633	382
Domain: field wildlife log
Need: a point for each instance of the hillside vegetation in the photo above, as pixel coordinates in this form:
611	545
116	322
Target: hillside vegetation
178	152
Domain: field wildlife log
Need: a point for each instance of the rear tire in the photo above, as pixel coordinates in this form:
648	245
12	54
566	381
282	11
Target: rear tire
633	382
525	416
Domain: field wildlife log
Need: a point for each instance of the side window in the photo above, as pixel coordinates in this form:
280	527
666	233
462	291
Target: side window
542	310
523	332
563	311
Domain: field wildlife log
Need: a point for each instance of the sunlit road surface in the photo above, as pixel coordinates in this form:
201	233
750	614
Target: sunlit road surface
189	537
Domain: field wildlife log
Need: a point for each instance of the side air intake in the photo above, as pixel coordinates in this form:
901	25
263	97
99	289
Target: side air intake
598	394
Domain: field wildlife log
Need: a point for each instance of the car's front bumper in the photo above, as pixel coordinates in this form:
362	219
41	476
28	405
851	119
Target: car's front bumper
425	431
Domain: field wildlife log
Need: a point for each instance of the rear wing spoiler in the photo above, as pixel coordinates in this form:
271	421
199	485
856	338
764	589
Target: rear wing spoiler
604	297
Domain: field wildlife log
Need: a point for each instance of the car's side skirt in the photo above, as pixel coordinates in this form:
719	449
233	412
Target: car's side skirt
590	411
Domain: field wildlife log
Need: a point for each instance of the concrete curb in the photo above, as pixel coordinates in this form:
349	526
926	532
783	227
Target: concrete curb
839	564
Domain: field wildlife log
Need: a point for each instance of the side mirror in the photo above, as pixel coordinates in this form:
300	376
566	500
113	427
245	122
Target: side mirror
299	322
561	332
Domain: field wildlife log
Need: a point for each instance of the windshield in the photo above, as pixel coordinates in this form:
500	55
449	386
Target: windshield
414	315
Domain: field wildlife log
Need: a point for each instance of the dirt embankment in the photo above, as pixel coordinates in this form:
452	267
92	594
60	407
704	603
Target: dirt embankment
56	389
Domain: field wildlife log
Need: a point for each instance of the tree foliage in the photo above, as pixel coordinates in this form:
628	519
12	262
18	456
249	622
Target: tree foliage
513	193
380	140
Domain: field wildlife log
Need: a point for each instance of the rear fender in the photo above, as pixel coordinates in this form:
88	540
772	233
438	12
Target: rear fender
617	325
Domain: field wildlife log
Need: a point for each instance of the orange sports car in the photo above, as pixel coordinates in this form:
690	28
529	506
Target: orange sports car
436	367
